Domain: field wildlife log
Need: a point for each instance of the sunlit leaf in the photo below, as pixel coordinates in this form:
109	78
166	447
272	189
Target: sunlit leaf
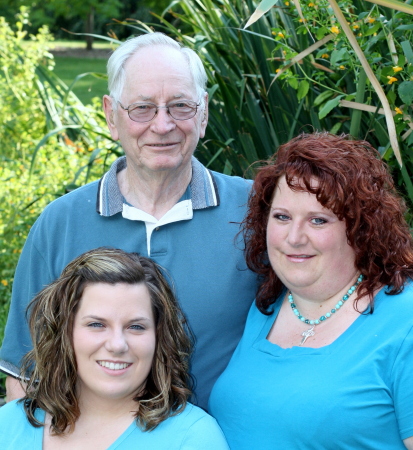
394	4
303	89
262	8
328	107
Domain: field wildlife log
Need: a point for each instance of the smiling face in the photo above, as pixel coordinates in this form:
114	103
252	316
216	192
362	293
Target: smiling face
114	341
307	244
159	75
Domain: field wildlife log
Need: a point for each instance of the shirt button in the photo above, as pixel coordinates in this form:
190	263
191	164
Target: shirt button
157	229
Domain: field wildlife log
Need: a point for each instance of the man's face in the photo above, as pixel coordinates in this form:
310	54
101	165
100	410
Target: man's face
158	75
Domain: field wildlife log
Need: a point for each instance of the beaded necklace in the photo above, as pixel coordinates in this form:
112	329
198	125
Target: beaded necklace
310	332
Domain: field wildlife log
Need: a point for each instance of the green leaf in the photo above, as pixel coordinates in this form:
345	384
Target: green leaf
321	98
373	29
394	4
303	89
262	8
329	106
407	49
339	55
406	92
336	128
391	95
321	32
293	82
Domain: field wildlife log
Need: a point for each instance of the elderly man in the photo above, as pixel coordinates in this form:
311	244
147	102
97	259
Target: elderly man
157	200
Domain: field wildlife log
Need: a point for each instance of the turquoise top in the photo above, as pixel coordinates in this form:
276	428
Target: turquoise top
356	393
192	429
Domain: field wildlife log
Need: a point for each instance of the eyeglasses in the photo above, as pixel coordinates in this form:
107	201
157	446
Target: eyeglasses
145	112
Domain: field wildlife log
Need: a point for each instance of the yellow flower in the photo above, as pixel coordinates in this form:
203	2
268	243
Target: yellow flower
371	20
278	70
397	69
287	3
398	110
342	67
311	4
360	34
391	79
4	282
355	27
273	33
335	30
280	35
302	20
325	55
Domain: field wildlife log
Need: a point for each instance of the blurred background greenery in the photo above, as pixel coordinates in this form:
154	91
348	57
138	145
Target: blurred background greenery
293	70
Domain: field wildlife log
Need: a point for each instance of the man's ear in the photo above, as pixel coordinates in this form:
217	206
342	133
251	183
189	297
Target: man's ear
204	120
110	116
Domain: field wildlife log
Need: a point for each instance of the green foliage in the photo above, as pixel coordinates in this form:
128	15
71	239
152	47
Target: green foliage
86	87
66	15
50	142
335	72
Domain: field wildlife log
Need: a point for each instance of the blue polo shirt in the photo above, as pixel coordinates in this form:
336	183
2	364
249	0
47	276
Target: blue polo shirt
202	254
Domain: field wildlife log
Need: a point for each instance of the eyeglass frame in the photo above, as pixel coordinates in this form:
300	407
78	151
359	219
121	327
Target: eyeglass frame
157	109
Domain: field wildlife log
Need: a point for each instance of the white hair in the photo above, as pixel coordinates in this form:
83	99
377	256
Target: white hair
118	59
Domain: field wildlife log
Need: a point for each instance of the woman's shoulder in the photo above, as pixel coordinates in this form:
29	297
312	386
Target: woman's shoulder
191	415
11	411
15	430
403	301
202	430
192	428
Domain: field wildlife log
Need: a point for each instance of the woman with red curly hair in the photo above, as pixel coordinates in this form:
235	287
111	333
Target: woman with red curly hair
326	359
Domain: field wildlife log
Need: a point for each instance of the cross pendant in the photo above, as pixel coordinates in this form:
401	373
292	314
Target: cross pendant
306	334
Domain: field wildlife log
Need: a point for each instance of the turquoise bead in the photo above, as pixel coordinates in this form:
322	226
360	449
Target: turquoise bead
327	315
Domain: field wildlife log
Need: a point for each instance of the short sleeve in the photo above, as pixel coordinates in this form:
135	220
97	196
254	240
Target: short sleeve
402	376
204	434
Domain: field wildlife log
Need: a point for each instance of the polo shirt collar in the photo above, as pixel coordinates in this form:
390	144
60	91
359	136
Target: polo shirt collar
203	189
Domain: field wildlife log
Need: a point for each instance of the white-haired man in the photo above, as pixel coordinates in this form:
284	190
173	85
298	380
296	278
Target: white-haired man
157	200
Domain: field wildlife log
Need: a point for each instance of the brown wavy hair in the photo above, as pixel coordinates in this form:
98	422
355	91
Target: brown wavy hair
356	185
52	364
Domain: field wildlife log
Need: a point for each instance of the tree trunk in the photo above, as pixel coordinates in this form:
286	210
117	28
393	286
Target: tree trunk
90	24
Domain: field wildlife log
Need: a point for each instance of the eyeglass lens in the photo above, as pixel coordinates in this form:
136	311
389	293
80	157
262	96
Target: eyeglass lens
144	112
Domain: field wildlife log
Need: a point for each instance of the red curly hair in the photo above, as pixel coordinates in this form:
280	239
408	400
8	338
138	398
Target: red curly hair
356	185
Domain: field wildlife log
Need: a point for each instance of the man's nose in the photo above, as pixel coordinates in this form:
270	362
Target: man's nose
163	122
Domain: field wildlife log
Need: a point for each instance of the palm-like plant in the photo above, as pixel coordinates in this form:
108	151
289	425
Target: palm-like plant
372	45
